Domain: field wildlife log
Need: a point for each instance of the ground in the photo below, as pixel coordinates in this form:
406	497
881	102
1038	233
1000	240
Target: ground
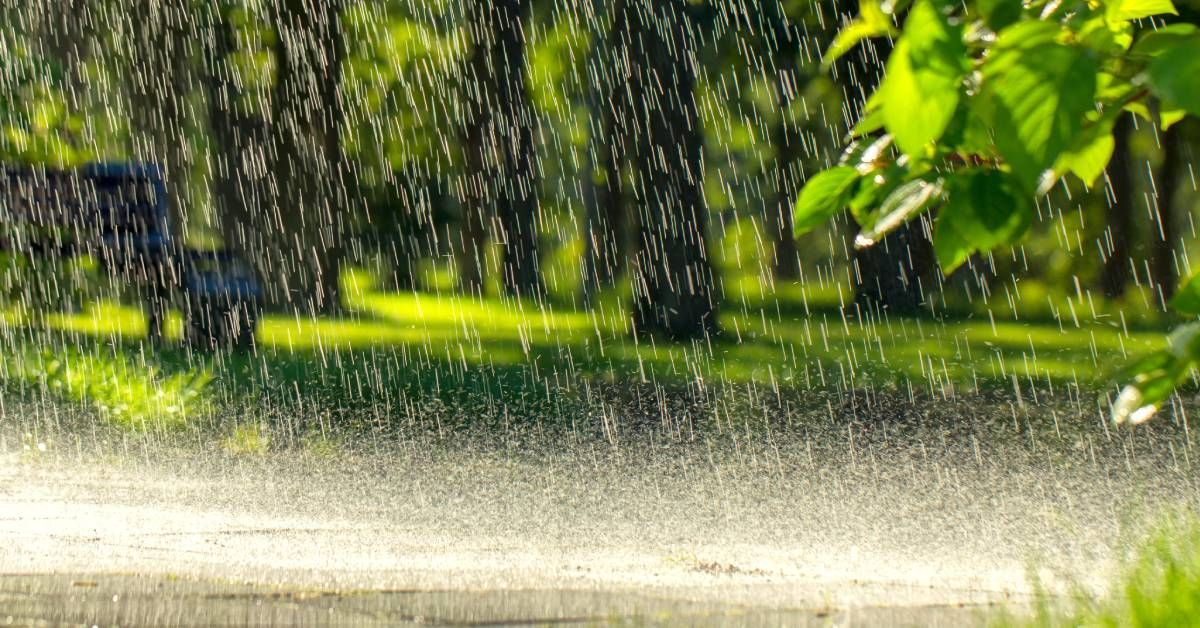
909	520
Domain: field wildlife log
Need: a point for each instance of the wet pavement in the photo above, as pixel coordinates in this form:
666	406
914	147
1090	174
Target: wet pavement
177	601
879	531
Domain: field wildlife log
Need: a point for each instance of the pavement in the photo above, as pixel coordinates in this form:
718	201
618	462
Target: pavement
129	534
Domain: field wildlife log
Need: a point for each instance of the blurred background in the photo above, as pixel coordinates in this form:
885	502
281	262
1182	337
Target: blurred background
479	188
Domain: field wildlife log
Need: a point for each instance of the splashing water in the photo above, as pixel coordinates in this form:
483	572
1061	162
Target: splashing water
588	309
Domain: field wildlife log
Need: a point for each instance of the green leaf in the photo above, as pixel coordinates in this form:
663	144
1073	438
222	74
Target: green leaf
1168	117
1187	297
1155	42
872	119
1123	10
1035	94
873	190
985	209
1172	74
871	22
1090	155
1158	375
1105	36
920	91
1139	401
998	14
904	203
822	197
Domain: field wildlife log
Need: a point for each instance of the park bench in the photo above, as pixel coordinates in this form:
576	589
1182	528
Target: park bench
117	214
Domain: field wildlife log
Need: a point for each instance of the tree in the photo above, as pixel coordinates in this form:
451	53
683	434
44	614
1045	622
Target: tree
1162	262
159	76
673	284
309	196
239	136
607	211
500	153
1118	214
280	180
985	105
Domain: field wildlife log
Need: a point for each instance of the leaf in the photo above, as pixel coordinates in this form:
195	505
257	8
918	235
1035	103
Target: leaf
1123	10
985	209
920	90
1187	297
873	189
905	202
871	22
872	118
1168	117
1035	94
1155	42
998	14
1090	155
1157	376
1172	74
822	197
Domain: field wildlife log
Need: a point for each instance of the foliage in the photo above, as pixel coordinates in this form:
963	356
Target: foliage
1159	586
129	394
37	124
985	105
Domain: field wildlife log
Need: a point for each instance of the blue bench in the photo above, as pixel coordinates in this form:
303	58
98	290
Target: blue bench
118	214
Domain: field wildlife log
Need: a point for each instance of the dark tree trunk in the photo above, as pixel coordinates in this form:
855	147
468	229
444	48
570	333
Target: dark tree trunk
158	82
477	190
66	31
501	155
674	285
895	274
606	239
1118	213
238	137
308	198
786	264
1163	267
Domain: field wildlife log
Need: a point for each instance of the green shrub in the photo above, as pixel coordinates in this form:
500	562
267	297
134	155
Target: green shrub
1158	585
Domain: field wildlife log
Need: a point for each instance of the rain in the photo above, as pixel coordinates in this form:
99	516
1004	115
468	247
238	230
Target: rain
520	312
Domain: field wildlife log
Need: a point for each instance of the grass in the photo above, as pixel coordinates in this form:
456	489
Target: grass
132	394
1159	585
389	347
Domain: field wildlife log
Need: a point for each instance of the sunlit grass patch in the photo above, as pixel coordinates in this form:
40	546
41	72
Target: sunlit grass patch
1157	585
122	389
247	439
387	343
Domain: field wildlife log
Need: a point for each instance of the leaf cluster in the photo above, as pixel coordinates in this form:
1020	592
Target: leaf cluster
986	104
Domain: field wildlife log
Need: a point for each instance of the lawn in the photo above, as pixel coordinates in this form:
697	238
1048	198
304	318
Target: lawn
389	345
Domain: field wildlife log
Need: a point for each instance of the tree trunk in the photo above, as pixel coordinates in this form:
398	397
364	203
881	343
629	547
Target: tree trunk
1162	260
895	273
308	198
674	284
238	139
1118	214
66	31
785	263
501	156
158	82
605	239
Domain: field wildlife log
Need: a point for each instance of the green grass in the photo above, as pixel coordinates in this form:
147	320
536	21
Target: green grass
130	393
392	345
1158	586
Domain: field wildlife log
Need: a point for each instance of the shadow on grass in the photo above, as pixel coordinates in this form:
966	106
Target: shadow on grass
392	348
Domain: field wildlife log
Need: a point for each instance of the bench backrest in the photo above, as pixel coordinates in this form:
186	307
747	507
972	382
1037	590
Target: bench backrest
122	205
